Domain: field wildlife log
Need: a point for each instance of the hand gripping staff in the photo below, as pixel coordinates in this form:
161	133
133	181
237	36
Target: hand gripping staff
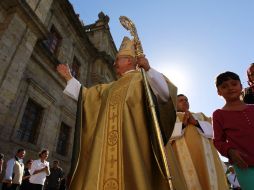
161	158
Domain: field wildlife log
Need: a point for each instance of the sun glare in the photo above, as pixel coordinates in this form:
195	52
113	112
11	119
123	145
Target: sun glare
179	78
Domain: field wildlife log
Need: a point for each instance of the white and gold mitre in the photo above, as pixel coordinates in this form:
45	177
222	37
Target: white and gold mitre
127	48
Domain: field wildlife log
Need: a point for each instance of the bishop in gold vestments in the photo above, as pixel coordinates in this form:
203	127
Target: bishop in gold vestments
115	149
192	143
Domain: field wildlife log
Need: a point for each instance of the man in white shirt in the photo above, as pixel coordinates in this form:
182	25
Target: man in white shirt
39	171
14	171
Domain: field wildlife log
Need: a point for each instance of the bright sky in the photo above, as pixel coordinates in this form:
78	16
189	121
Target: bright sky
191	42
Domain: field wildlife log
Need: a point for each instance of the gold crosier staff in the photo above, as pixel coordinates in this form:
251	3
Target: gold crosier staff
129	25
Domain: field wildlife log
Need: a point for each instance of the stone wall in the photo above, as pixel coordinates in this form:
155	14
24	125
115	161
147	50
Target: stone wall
28	71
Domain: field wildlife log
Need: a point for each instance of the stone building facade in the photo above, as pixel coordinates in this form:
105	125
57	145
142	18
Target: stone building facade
35	36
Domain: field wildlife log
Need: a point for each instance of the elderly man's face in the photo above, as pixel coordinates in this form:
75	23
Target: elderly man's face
182	104
121	65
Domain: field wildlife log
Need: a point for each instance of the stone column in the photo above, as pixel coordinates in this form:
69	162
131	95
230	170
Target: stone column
16	43
43	9
33	4
11	33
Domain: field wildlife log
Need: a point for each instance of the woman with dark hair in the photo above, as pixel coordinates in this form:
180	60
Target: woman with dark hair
248	93
25	185
39	171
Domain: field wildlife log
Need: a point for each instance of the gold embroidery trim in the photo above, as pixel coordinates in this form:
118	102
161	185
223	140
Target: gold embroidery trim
111	167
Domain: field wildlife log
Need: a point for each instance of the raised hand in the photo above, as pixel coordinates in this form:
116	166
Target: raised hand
64	71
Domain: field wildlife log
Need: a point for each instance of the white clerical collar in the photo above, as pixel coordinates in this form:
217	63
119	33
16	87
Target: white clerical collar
129	71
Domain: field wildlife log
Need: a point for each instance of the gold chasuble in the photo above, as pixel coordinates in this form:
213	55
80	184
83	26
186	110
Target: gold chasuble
115	148
199	160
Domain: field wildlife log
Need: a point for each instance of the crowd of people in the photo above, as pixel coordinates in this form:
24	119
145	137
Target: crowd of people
34	175
119	152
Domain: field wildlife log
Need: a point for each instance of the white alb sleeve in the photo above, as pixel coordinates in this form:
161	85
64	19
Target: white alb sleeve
205	125
72	88
207	128
158	85
177	132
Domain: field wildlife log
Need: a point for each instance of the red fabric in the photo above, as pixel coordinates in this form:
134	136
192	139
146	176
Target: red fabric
235	129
